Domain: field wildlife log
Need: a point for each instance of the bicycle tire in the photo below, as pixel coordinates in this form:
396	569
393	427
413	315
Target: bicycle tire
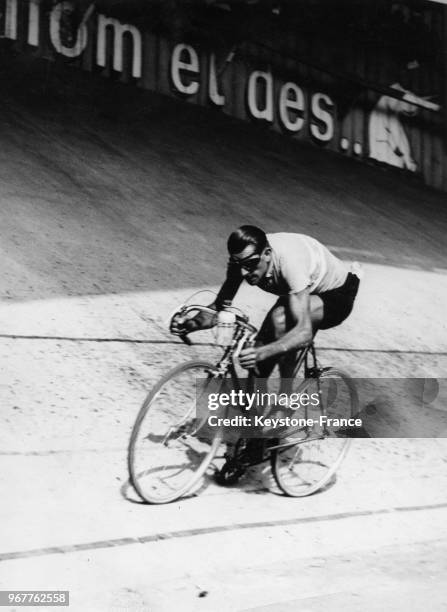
315	462
169	398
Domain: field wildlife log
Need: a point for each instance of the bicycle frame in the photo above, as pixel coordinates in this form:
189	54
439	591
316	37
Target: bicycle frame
306	358
159	476
245	334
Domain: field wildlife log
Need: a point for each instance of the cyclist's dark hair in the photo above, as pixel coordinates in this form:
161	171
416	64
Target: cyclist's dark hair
245	235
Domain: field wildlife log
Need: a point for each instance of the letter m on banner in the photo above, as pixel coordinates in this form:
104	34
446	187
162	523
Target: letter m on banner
118	31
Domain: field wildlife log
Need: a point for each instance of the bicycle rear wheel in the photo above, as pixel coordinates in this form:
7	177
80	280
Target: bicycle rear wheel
171	446
307	465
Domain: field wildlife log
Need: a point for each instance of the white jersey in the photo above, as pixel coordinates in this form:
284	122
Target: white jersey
300	262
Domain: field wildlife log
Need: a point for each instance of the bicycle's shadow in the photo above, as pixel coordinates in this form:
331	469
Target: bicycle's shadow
257	480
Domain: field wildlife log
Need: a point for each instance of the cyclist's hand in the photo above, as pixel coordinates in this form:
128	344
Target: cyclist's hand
178	325
248	357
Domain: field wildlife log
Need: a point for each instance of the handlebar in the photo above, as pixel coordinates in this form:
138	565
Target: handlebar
185	338
241	319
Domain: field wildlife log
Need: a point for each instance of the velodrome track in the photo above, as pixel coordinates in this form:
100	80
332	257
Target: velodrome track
114	208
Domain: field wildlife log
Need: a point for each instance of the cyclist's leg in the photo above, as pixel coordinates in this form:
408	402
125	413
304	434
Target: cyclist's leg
267	334
281	321
327	310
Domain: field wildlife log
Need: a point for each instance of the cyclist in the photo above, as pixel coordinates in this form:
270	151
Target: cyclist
315	291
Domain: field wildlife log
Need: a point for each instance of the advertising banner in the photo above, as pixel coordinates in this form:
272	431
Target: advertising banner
381	102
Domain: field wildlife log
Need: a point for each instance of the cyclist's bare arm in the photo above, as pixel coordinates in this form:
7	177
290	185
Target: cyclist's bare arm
298	337
230	286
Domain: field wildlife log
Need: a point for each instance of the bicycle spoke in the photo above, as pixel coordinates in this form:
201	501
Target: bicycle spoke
169	451
307	466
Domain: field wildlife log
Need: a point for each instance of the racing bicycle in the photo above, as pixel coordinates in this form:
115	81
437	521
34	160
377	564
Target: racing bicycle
173	450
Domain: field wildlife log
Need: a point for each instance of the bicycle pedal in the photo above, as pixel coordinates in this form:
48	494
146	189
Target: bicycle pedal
229	473
313	372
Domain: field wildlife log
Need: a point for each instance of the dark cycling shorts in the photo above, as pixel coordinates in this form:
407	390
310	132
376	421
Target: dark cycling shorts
338	302
337	305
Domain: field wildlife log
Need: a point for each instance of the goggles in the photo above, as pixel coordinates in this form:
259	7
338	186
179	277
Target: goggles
249	263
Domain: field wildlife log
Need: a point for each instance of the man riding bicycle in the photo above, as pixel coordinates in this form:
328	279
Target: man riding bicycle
315	291
176	439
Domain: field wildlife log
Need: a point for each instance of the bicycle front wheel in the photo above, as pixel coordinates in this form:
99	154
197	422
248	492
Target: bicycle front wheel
310	461
170	446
